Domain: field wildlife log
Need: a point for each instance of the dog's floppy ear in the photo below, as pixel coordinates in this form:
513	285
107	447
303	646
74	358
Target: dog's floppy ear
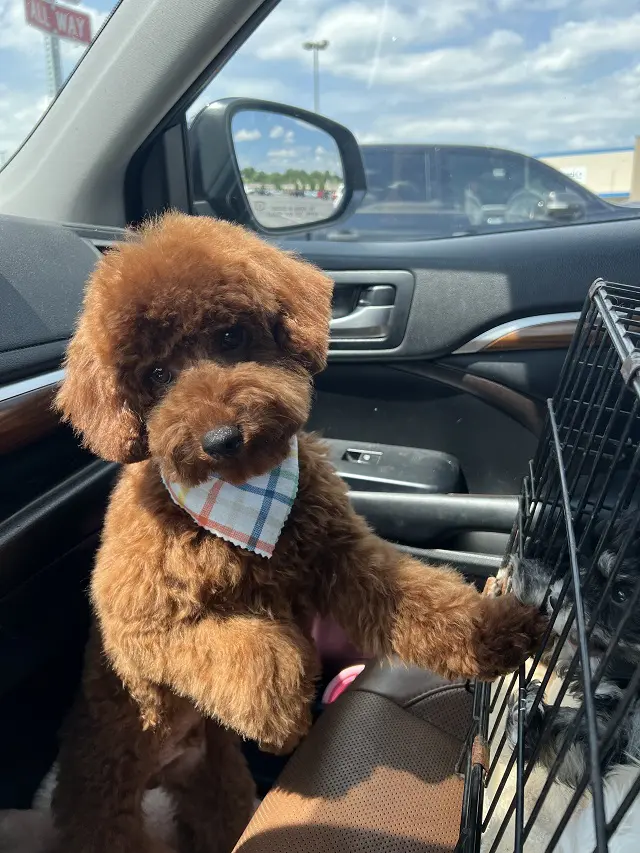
306	312
92	402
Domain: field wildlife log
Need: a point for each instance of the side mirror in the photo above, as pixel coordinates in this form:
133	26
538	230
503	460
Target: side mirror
276	168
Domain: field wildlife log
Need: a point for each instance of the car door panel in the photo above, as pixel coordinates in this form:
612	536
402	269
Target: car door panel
466	285
382	404
459	381
50	521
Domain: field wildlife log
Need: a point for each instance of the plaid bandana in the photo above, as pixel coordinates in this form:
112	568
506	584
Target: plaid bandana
252	515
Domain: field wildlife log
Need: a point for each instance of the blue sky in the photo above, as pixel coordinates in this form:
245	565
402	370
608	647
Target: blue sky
270	143
534	75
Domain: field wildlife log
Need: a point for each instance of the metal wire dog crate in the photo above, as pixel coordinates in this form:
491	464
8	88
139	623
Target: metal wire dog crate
580	496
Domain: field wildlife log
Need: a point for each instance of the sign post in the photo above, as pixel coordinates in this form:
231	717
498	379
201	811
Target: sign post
57	22
54	64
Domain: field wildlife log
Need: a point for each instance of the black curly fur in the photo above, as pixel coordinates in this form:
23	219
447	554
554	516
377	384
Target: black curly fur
546	728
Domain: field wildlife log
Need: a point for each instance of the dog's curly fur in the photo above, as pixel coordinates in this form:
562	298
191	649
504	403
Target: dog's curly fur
192	324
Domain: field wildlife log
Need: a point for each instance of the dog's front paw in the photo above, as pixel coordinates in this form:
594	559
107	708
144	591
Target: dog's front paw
533	718
270	685
507	632
276	742
284	749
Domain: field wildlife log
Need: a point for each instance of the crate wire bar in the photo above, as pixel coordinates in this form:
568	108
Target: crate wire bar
584	478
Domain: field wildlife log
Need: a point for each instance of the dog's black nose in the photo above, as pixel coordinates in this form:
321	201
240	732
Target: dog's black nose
222	441
553	602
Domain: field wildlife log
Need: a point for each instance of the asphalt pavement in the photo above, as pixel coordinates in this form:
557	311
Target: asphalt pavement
279	211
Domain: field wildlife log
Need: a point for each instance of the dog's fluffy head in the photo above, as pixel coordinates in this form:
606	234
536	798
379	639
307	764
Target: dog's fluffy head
193	325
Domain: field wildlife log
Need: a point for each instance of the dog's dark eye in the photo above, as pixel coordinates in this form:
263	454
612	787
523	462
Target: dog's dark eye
620	593
232	338
161	376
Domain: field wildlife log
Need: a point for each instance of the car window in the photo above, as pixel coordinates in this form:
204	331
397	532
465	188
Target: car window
396	175
472	116
41	42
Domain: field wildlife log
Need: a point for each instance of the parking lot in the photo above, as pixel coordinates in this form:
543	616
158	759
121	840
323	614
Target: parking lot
278	211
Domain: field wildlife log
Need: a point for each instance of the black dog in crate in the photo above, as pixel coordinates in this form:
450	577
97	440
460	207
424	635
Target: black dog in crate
576	730
608	584
609	597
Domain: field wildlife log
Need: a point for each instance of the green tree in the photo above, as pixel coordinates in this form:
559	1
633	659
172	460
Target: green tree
299	178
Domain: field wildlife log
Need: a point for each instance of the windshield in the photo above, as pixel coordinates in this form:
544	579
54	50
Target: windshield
472	117
41	42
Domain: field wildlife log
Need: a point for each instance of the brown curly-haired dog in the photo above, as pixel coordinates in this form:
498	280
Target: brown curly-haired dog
195	326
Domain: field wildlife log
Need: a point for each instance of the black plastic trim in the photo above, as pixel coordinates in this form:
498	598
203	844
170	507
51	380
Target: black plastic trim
54	523
394	468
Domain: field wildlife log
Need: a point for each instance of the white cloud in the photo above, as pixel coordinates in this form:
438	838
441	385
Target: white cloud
14	32
525	74
532	5
283	153
575	8
360	26
297	157
497	59
230	85
600	113
245	135
573	44
443	69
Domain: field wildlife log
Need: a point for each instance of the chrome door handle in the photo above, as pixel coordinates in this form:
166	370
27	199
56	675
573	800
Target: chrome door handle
371	317
369	321
371	311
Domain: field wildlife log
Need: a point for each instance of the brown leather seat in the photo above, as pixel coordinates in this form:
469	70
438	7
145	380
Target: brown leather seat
376	773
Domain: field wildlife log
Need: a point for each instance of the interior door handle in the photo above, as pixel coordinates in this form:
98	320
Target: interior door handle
371	311
372	321
371	317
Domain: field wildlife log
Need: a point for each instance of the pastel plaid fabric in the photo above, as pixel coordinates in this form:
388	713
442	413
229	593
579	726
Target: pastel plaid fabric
252	515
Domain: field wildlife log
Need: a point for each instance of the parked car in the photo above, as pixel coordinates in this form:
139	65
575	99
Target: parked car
419	192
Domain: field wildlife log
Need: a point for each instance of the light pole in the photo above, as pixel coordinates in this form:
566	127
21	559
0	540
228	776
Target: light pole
316	47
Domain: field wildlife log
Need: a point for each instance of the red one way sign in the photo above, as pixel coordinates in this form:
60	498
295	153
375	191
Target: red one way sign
58	20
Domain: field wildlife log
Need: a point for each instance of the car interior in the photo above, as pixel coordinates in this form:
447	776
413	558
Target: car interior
443	353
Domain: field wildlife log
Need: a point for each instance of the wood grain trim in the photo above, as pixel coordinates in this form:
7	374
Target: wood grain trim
555	335
27	418
536	332
527	412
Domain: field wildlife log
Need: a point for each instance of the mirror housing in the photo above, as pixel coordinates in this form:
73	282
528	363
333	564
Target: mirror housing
218	185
